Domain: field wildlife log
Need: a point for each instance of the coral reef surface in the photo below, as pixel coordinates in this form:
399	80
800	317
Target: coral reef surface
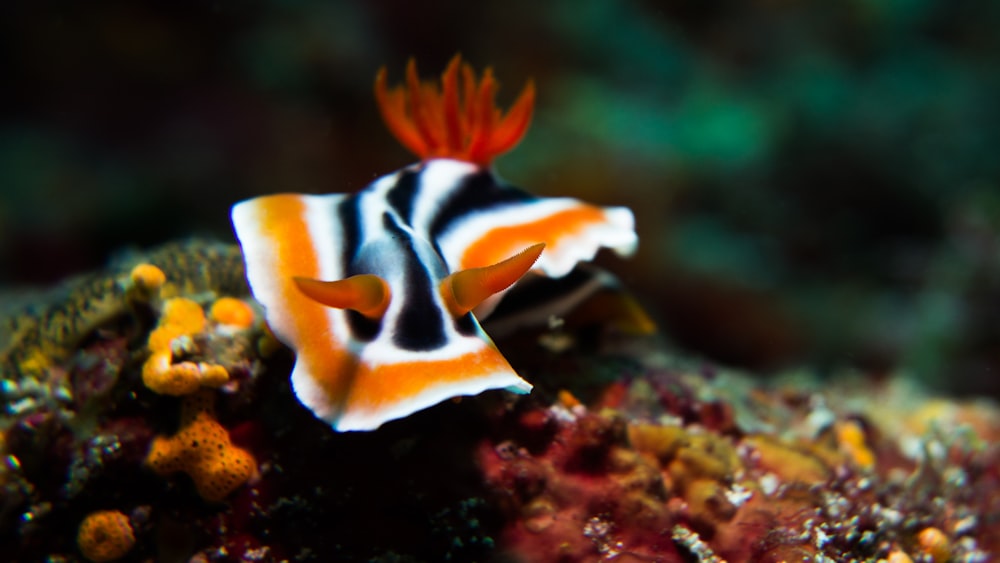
138	427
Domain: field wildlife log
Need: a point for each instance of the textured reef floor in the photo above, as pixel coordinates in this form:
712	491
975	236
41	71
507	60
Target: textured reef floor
147	416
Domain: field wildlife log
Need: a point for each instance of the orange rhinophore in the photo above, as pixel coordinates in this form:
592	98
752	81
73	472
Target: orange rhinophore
466	289
367	294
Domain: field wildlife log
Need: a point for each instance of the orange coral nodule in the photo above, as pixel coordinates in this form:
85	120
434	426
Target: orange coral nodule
459	120
165	378
233	312
105	536
897	556
851	439
933	543
568	400
203	450
181	317
147	277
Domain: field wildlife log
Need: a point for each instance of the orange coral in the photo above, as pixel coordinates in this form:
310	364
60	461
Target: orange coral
851	439
897	556
202	449
182	315
181	318
460	120
232	312
933	543
105	536
567	400
147	277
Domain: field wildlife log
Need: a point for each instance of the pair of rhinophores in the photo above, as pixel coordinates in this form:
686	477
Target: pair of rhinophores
380	293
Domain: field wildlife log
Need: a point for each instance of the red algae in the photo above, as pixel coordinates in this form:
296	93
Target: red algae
670	490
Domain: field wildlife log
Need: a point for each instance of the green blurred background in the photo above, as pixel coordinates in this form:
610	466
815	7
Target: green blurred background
815	182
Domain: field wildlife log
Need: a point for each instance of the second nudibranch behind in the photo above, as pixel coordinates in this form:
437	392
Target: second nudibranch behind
380	293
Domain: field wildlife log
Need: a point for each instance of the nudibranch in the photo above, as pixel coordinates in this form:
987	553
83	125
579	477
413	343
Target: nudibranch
380	293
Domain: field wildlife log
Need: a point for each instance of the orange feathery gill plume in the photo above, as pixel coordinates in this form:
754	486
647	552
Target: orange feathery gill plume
459	120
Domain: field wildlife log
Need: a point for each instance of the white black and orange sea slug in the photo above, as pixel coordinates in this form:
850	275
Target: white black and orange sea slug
381	293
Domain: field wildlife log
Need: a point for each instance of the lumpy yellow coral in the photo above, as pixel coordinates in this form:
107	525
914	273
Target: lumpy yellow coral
790	462
697	467
105	536
659	441
704	456
181	318
35	361
202	449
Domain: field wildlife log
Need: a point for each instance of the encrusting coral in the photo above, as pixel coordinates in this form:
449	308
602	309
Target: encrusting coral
76	424
105	536
682	480
202	449
181	320
46	333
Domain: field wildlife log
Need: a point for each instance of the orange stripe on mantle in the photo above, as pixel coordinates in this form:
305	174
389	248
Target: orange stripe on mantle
382	386
501	242
283	221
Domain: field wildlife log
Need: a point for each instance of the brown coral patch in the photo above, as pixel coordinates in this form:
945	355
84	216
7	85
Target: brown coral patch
105	536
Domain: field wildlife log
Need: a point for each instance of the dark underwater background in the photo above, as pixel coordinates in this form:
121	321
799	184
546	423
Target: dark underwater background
815	183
